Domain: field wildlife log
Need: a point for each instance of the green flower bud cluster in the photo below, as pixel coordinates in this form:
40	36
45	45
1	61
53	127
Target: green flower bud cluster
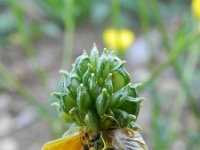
97	93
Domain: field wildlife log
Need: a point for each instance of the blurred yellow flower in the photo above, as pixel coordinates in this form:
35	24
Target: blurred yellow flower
70	142
196	8
118	39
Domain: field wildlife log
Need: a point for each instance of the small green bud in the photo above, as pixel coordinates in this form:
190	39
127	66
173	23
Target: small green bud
77	115
87	75
81	64
67	102
66	117
104	65
93	86
71	81
94	57
119	97
102	102
135	89
56	94
132	105
134	126
123	117
108	84
92	120
83	98
120	78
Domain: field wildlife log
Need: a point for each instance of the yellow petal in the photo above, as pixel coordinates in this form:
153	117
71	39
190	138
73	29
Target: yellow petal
109	38
126	38
118	39
71	142
196	8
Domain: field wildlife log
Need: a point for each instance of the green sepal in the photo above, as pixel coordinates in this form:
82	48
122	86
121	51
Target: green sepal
67	102
118	65
120	78
104	65
71	81
87	75
108	84
132	105
81	64
94	56
93	86
83	98
92	120
77	116
119	97
56	95
135	89
123	117
134	126
66	117
102	102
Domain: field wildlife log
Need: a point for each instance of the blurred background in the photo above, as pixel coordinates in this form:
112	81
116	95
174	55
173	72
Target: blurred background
159	39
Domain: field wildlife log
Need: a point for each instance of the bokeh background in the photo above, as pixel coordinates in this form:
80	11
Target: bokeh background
40	37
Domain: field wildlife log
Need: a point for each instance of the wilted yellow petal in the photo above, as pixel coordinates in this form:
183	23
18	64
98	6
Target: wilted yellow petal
71	142
196	8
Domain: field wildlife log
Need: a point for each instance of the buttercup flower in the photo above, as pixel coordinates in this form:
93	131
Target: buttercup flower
118	39
196	8
99	100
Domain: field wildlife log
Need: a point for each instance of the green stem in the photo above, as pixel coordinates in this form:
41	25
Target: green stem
143	15
21	26
69	33
117	24
116	13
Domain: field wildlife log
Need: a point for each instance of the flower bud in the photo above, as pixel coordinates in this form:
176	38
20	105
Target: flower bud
120	78
83	98
132	105
87	75
76	114
81	64
102	102
123	117
120	96
93	86
71	81
94	57
108	83
66	102
92	120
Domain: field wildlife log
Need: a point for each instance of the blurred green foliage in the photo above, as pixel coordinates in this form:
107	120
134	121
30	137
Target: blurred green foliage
181	49
95	11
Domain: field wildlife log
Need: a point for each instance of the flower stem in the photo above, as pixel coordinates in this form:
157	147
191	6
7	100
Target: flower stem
116	13
69	33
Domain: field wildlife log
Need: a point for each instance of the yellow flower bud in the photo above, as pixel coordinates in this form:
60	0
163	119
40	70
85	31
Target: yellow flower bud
118	39
196	8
